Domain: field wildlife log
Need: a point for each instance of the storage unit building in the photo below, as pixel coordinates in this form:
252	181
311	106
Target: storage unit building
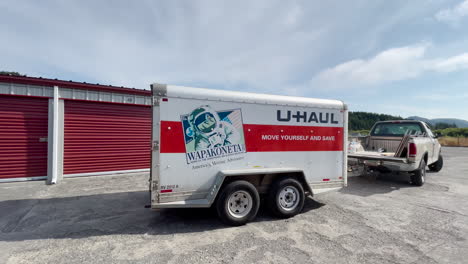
53	129
23	137
102	137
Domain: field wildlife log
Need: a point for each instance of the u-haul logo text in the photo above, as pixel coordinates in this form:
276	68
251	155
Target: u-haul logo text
306	117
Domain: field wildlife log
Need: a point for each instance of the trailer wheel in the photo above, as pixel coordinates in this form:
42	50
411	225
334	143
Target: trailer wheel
286	198
419	176
437	166
238	203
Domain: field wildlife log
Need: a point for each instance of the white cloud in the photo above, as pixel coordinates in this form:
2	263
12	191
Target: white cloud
390	65
223	43
455	63
442	97
270	46
251	45
293	15
453	15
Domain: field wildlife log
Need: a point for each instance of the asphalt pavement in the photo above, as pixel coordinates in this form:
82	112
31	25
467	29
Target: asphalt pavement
103	220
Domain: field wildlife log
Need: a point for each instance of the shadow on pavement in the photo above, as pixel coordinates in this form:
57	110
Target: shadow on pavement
377	184
105	214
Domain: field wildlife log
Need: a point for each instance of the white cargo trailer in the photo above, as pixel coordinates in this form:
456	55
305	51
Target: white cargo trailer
228	149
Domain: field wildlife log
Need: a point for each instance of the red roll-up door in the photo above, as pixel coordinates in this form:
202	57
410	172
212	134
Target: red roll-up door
104	137
23	136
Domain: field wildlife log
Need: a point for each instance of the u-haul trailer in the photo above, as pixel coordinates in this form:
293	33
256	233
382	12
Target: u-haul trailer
226	149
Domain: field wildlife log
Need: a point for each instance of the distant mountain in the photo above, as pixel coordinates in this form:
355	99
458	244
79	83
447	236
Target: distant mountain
365	120
459	122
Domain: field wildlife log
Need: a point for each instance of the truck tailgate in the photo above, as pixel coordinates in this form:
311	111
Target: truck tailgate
375	156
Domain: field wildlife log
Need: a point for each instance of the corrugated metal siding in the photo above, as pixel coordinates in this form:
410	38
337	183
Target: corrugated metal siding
106	137
23	122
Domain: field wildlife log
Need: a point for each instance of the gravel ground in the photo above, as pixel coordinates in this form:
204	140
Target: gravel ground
103	219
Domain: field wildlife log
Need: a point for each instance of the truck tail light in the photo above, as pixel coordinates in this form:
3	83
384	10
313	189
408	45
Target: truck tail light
412	150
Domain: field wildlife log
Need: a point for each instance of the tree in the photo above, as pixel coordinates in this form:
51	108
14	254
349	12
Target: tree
443	125
365	120
11	73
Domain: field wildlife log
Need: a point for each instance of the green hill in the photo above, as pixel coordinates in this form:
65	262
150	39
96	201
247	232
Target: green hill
365	120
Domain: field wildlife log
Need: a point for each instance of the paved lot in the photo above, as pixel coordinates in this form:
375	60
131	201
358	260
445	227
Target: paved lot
102	219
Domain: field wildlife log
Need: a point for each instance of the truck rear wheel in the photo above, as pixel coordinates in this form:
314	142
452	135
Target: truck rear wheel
437	166
286	198
419	176
238	203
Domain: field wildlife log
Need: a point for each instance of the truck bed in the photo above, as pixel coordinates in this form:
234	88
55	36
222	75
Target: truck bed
390	144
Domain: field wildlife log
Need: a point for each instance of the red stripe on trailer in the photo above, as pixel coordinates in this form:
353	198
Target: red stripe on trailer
23	136
166	191
265	138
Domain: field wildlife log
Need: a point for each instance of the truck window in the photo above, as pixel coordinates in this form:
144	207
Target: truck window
396	129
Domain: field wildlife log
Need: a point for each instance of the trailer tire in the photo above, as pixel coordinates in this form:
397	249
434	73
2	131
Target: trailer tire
286	198
238	203
437	166
419	176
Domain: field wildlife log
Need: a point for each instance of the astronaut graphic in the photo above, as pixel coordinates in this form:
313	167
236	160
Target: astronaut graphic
207	129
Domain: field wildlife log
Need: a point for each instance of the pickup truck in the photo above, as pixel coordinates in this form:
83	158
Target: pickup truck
399	145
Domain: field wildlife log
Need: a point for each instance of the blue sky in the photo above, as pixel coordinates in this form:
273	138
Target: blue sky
396	57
